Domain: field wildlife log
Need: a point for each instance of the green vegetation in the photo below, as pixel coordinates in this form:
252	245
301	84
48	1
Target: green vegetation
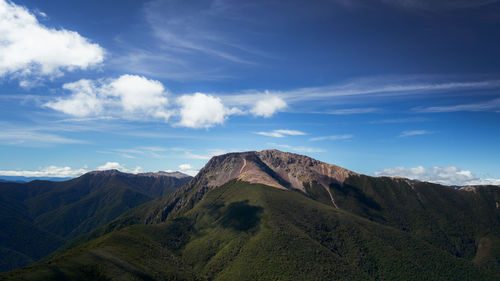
38	217
242	231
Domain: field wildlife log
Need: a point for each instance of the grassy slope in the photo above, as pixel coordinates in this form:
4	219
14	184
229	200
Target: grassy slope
242	231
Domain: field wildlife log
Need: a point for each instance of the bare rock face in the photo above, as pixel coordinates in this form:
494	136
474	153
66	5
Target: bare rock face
273	168
298	169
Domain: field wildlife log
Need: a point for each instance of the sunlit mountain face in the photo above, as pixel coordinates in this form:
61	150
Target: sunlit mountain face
389	89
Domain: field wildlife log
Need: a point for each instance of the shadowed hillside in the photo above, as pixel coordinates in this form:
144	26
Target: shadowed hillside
38	217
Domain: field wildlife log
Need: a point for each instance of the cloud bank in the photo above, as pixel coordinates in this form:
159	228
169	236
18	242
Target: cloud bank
450	175
67	172
136	97
50	171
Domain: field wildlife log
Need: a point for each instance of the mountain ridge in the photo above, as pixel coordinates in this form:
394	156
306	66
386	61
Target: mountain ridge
55	212
219	226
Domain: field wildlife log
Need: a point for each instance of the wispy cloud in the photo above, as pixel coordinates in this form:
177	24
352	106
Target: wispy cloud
399	120
442	5
414	133
349	111
298	149
334	137
211	153
186	40
145	152
370	87
450	175
123	98
31	137
281	133
196	28
492	105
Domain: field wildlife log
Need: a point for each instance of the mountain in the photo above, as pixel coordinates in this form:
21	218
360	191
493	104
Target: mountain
21	179
38	217
268	215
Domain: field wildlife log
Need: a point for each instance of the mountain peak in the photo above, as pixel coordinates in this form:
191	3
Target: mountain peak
176	174
282	170
111	172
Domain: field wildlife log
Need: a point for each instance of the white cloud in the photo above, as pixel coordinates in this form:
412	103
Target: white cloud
129	96
188	169
137	93
450	175
84	101
119	167
50	171
185	167
202	111
414	133
28	48
111	166
334	137
281	133
267	106
68	172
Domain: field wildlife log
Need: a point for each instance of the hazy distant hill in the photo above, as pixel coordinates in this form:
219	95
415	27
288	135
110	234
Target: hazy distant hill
271	215
38	217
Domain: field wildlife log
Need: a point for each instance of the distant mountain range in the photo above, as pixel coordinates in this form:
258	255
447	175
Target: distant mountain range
39	216
21	179
272	215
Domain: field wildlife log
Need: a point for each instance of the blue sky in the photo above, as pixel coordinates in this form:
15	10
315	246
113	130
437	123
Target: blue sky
391	87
